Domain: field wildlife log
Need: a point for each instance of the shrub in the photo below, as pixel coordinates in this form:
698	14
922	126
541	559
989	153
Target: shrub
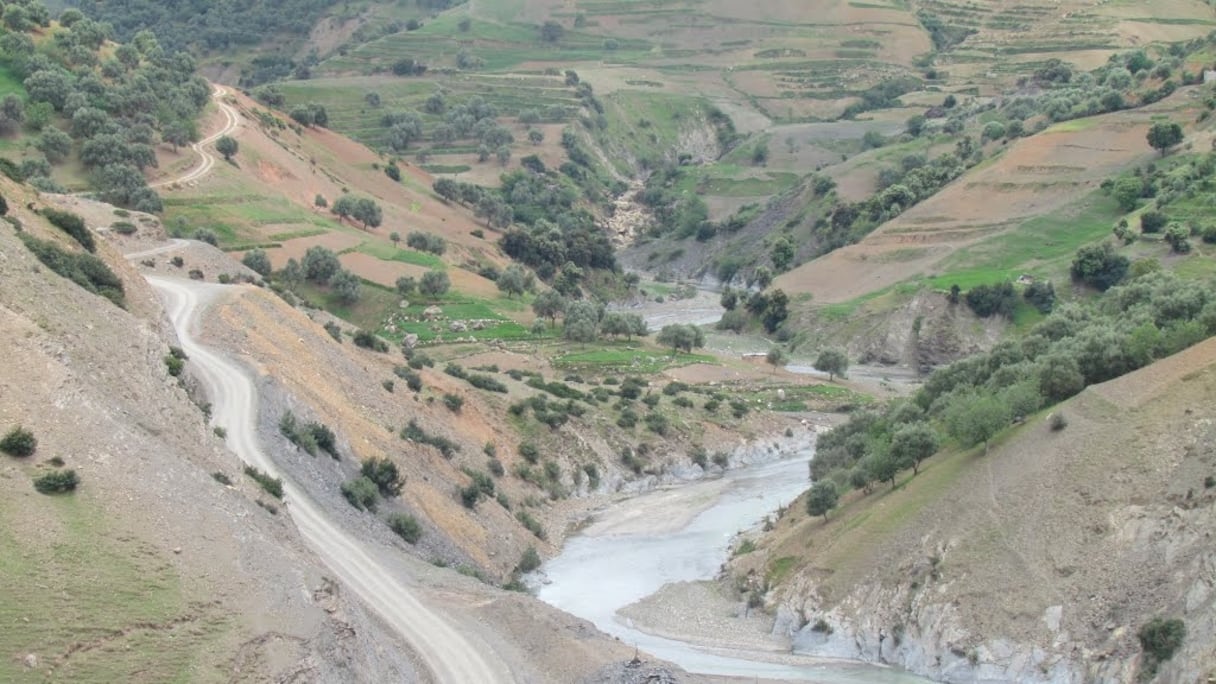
360	493
272	485
57	482
495	467
529	561
221	478
415	433
334	330
486	382
384	474
85	270
123	228
1058	421
19	442
73	225
175	361
454	402
532	524
529	451
1152	221
369	340
406	527
1161	638
656	423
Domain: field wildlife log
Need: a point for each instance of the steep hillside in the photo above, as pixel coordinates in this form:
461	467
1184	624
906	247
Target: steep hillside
1037	561
153	567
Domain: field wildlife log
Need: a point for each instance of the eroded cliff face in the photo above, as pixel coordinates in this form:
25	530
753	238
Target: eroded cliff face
1037	562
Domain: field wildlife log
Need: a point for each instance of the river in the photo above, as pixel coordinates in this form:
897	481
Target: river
681	534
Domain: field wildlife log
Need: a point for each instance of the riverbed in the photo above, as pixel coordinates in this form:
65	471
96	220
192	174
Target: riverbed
635	547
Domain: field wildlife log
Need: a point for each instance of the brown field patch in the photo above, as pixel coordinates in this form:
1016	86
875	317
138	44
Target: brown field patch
1033	177
294	249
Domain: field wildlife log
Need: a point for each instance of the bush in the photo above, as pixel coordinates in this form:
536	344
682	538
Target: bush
530	452
73	225
1152	222
272	485
175	361
454	402
531	524
19	442
57	482
1161	638
406	527
1058	421
334	330
486	382
85	270
529	561
221	478
123	228
369	340
360	493
384	474
989	300
415	433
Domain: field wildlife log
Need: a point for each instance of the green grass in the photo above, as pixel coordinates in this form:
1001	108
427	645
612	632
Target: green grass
627	358
10	83
244	219
78	583
1041	245
368	313
386	252
456	307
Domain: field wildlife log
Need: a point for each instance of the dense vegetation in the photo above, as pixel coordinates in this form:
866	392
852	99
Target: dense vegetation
207	26
109	104
971	401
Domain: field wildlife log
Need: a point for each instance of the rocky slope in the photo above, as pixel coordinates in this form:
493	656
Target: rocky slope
1038	562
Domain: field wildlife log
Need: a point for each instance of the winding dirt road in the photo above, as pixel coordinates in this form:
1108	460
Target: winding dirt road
231	120
446	653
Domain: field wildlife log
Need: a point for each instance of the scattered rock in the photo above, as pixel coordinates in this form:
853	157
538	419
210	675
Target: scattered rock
432	312
458	326
30	661
410	341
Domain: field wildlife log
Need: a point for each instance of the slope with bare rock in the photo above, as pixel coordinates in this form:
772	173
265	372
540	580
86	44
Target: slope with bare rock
1039	561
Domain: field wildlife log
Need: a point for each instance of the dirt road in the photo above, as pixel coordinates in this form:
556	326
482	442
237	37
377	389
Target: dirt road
231	120
448	655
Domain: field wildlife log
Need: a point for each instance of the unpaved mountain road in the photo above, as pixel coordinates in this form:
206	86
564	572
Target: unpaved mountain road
448	655
231	120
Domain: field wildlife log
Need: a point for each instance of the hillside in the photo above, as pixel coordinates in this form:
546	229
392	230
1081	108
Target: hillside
1037	561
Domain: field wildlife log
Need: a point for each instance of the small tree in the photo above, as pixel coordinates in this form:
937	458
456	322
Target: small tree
549	304
434	284
515	281
551	31
406	286
972	420
1164	135
257	261
833	362
347	286
227	146
361	493
912	444
775	357
822	499
19	442
681	337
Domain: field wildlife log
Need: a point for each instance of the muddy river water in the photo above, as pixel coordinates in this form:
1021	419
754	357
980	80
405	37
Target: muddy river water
681	534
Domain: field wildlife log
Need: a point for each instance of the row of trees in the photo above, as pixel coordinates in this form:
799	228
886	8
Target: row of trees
973	400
